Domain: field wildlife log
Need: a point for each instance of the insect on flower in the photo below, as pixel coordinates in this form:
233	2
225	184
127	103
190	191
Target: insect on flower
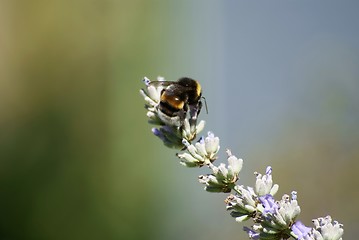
177	98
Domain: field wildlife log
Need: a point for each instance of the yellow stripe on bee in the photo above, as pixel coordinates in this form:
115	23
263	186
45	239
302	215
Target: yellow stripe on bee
198	89
175	102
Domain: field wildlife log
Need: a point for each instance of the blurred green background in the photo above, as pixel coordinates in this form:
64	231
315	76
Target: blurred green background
77	157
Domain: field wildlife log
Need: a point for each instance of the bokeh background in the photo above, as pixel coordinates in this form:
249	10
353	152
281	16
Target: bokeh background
77	157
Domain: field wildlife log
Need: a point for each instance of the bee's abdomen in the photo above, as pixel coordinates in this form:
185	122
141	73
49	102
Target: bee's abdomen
170	103
169	109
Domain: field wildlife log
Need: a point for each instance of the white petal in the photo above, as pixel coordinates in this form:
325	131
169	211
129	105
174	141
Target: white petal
274	189
201	149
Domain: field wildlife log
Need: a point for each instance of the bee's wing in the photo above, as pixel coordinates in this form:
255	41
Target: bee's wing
160	83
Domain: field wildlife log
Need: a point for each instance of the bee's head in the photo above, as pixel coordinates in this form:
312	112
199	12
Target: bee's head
193	89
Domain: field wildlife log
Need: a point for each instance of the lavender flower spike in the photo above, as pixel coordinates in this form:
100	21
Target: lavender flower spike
178	128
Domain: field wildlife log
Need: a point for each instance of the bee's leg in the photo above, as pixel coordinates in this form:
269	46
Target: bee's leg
182	115
199	107
194	111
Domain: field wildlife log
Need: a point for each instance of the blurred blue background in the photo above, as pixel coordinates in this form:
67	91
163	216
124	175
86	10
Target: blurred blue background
78	159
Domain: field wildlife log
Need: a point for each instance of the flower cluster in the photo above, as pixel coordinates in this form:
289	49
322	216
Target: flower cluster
202	152
246	202
264	184
242	205
223	178
278	216
324	229
272	219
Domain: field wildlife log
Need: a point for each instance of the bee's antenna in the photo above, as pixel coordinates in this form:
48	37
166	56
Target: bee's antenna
205	103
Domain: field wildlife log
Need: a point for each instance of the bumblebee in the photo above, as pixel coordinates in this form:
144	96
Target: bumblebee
178	98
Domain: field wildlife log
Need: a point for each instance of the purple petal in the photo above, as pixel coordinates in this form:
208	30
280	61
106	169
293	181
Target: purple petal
269	170
146	81
201	140
251	233
159	134
300	229
268	203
